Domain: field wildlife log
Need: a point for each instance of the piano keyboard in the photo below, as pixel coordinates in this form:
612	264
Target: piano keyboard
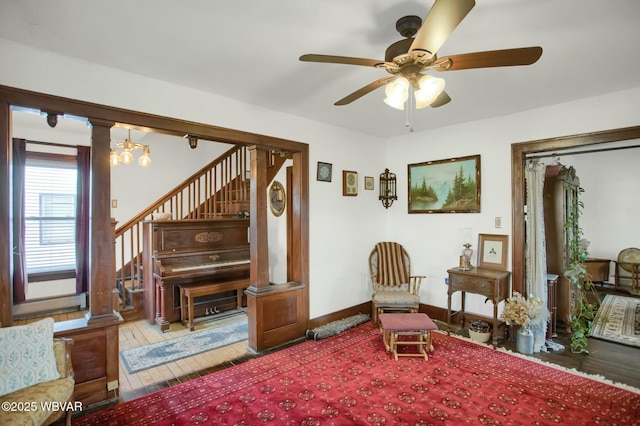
211	265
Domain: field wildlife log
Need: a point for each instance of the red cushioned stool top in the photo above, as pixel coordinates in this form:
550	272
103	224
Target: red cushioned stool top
407	322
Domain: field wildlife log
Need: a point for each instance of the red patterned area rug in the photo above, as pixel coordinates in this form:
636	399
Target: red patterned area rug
349	379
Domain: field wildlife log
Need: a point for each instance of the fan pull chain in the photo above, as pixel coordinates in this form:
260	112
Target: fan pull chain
409	109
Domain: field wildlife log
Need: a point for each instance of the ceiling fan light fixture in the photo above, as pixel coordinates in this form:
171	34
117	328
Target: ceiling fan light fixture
397	92
430	88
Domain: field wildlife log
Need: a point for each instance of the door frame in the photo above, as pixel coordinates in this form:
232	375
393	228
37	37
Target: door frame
519	152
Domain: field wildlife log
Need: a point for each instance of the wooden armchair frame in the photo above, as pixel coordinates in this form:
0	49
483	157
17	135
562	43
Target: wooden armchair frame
394	296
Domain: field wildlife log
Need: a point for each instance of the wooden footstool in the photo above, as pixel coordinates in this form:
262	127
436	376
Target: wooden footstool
417	326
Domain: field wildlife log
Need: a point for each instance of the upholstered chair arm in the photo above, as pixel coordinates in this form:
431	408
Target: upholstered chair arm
62	352
415	281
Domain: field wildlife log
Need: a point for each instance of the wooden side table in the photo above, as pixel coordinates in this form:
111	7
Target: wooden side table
487	282
632	267
418	326
598	269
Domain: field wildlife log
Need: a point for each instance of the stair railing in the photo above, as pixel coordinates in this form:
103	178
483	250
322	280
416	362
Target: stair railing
221	188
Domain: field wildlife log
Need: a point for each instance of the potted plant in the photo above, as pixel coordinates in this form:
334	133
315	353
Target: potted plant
527	313
587	300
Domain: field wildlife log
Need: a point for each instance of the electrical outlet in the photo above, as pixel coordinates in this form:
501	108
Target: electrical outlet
498	222
112	385
114	204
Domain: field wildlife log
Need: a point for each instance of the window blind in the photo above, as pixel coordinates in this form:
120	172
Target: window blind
50	214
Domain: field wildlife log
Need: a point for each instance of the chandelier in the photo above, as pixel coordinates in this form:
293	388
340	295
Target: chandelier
123	153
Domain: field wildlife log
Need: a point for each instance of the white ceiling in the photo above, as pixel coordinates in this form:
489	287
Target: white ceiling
248	50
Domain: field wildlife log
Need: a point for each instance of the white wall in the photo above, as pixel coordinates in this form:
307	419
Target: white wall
435	240
277	233
172	161
611	197
344	229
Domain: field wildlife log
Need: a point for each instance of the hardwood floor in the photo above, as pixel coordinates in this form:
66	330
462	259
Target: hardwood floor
612	361
140	333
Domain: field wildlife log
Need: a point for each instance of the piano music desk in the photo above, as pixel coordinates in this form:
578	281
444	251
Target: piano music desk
188	293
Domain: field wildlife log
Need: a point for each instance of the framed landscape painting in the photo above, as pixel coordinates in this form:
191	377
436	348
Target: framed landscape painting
445	186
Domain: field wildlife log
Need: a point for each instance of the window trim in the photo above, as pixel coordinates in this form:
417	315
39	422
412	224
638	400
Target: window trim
61	159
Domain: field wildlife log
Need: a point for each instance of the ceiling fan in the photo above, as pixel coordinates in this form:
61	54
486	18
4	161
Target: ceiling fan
406	59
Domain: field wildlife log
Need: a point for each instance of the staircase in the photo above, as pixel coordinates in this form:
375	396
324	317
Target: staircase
220	189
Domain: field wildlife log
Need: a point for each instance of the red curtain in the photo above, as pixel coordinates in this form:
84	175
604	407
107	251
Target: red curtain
82	218
19	257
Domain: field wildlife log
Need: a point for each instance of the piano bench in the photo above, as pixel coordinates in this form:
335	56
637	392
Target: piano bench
189	292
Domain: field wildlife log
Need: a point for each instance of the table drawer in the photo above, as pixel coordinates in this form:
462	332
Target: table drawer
472	284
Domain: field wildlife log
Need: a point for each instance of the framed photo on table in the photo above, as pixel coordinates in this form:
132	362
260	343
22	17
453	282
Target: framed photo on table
492	251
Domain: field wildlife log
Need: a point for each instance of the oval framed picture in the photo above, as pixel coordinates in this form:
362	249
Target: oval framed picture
277	198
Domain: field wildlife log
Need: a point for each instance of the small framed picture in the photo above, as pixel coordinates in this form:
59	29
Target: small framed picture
324	172
349	183
492	251
368	183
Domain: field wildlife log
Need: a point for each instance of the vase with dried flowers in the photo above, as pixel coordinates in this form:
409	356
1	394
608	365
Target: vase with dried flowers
527	313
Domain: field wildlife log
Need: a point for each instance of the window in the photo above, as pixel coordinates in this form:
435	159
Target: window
50	215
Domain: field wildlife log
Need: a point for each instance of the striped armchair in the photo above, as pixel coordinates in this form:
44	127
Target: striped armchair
394	288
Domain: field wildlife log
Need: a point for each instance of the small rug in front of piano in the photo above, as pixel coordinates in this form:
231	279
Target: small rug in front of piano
148	356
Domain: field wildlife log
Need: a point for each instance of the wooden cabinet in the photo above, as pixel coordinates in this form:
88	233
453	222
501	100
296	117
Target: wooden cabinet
598	269
487	282
561	191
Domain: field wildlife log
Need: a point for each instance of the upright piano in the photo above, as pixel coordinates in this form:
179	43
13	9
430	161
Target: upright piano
183	253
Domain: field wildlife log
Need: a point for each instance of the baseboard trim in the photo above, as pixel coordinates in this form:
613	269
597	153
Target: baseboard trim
434	312
363	308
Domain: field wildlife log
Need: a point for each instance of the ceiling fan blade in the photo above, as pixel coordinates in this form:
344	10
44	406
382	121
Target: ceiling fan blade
442	19
442	99
341	60
492	58
364	90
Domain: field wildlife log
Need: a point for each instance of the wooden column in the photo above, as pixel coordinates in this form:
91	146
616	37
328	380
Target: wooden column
102	273
258	244
259	241
277	313
299	231
6	252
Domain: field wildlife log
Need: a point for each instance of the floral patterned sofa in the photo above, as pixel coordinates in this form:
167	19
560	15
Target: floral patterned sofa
36	375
